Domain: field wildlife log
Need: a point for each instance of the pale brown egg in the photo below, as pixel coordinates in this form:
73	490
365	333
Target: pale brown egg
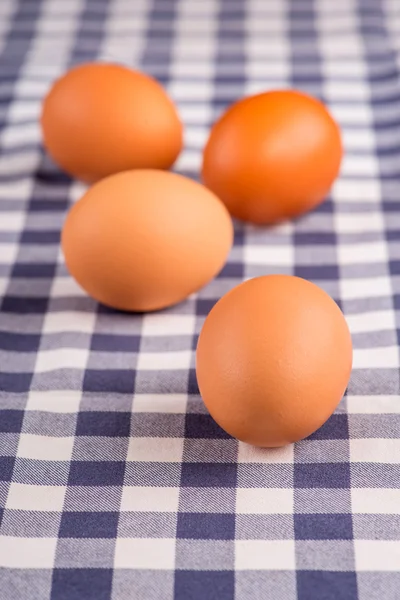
273	360
99	119
143	240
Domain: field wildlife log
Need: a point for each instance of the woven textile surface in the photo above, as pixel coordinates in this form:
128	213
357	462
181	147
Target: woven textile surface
115	483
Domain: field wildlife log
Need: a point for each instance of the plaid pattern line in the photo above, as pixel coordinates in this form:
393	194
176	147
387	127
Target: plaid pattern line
115	483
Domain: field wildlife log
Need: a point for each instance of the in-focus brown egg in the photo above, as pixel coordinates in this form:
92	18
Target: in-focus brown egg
99	119
273	156
273	360
143	240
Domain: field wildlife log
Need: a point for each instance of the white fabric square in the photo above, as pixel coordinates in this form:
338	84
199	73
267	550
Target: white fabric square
338	90
269	255
264	501
150	499
57	401
359	223
66	287
27	553
189	160
377	555
375	450
376	358
268	555
359	166
373	287
357	190
383	320
165	324
373	404
44	498
252	454
19	162
356	139
165	361
141	553
8	253
61	358
160	403
12	221
375	501
146	449
371	252
42	447
198	91
56	322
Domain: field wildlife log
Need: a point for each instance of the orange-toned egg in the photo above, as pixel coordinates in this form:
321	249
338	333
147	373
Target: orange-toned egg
273	360
100	118
273	156
143	240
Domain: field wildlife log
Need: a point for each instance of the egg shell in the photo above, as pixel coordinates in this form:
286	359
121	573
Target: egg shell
101	118
273	360
143	240
273	156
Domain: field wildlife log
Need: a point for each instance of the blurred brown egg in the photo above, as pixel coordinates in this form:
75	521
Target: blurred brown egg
273	156
273	360
143	240
99	119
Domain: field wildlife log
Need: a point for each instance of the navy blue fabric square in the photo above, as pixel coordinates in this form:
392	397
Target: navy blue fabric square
116	381
15	382
89	525
202	585
115	343
208	474
19	342
6	467
81	584
204	305
96	473
24	305
393	235
232	270
328	272
323	527
312	238
40	237
109	424
193	387
40	205
326	585
335	428
322	475
36	270
396	301
326	207
206	526
11	421
195	339
203	426
394	266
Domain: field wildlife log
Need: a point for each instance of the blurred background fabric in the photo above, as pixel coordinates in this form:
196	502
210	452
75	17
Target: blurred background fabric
115	483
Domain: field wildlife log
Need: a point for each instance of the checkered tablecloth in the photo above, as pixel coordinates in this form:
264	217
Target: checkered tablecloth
115	482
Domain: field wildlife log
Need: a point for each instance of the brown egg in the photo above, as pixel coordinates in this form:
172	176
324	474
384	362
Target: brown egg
273	360
99	119
143	240
273	156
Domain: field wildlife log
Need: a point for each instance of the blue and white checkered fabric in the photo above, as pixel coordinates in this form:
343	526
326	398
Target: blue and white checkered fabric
115	482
